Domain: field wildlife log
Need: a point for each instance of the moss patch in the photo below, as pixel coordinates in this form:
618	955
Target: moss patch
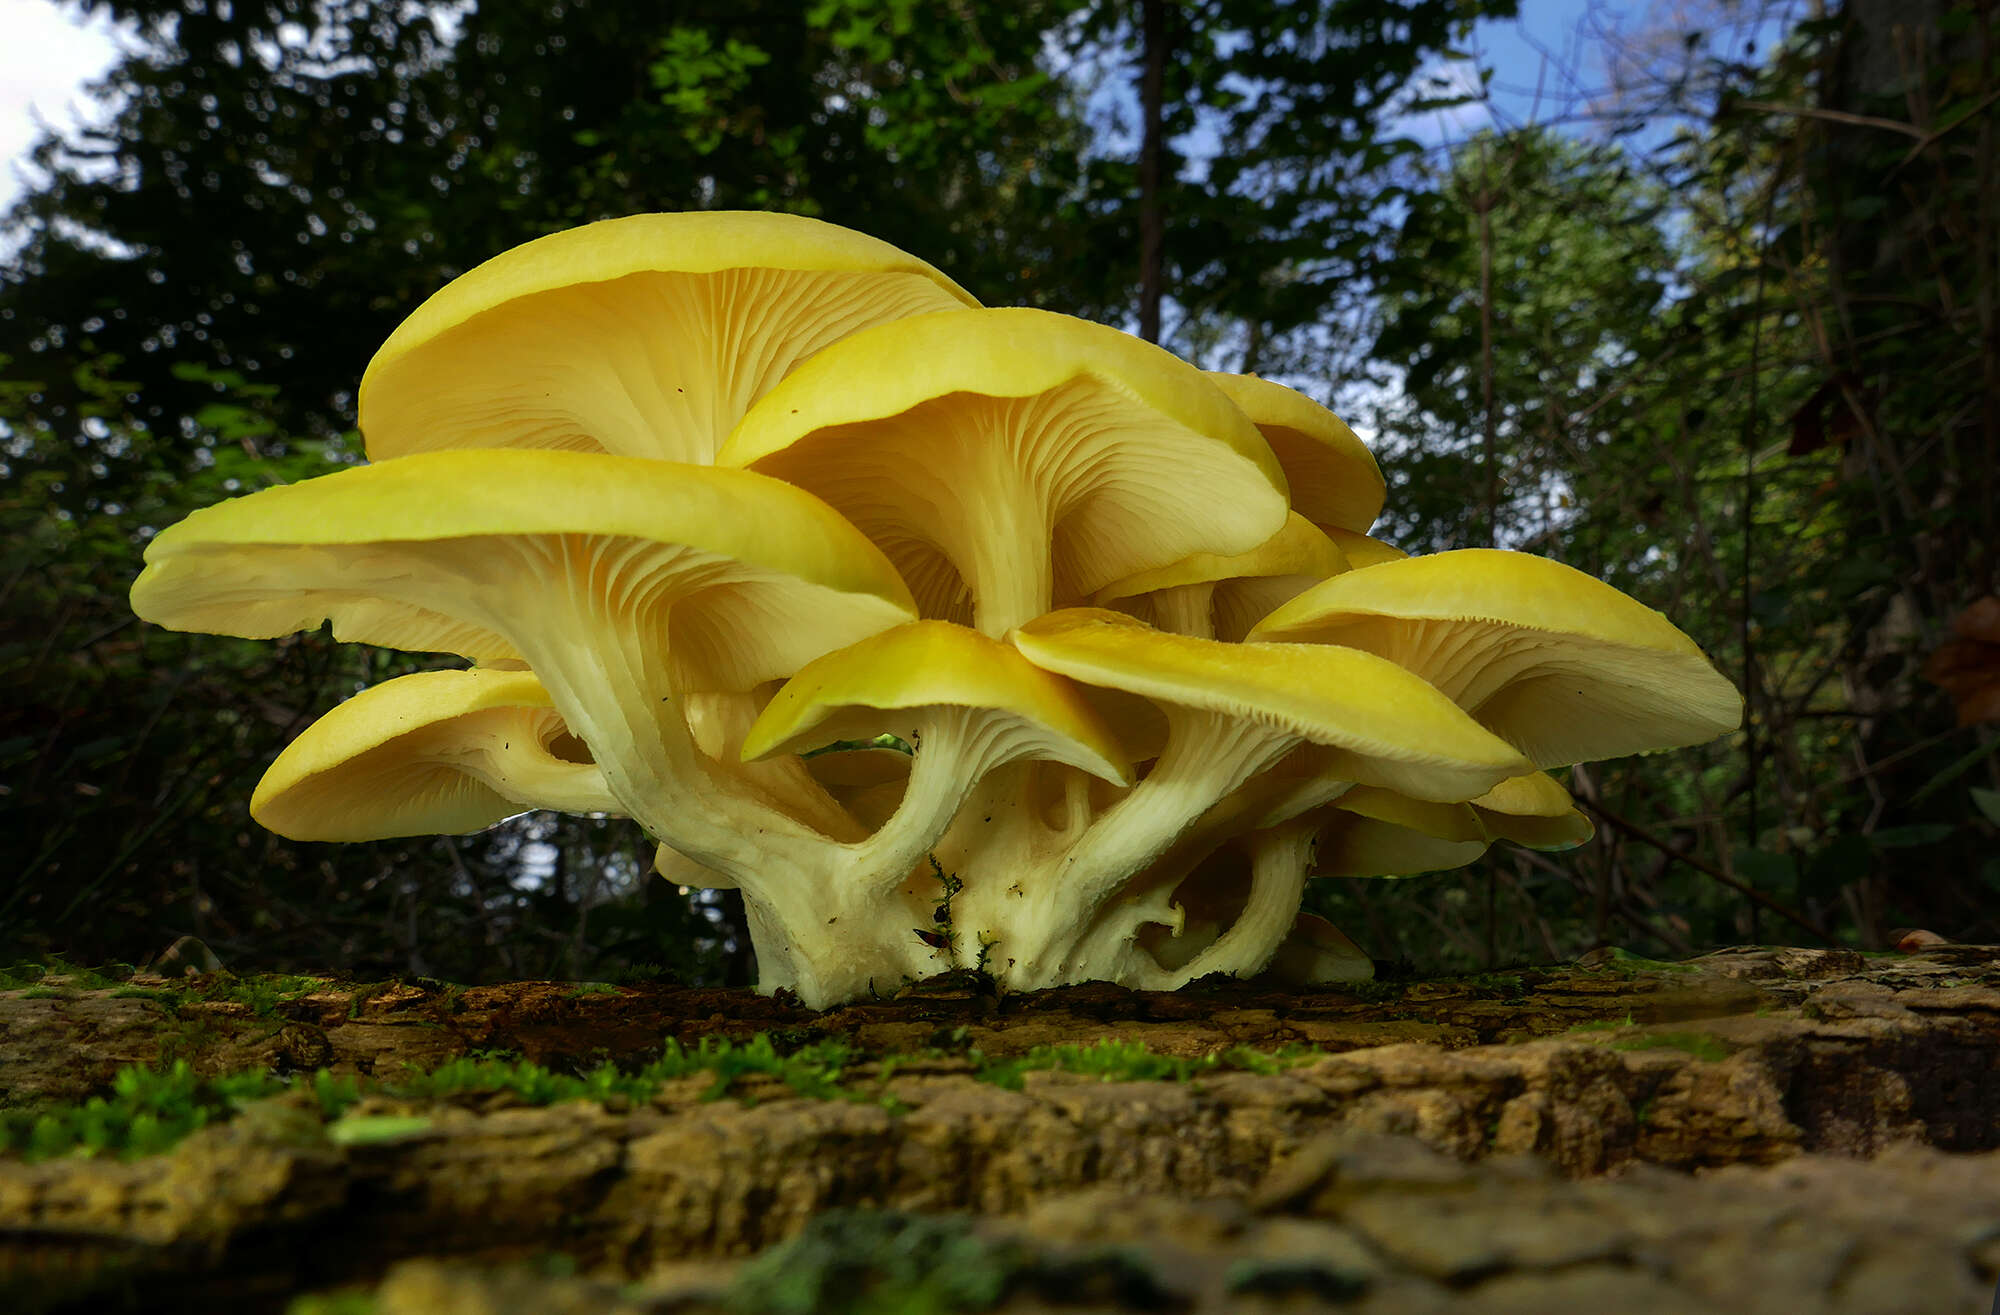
1699	1044
150	1109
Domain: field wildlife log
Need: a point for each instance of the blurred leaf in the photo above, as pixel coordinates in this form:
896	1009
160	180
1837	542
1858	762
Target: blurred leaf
1911	837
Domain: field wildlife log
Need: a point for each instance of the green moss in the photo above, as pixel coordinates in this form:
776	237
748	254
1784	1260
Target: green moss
1604	1025
167	999
150	1109
147	1111
1111	1060
56	970
262	993
363	993
18	976
591	988
1699	1044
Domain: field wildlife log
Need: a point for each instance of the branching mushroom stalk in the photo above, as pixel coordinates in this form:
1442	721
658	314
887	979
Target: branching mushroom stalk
1281	859
1207	756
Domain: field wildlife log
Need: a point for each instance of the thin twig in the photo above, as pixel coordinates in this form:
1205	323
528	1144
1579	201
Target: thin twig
1661	843
1834	116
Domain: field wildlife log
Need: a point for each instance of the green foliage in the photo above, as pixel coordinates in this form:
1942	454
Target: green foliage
1649	363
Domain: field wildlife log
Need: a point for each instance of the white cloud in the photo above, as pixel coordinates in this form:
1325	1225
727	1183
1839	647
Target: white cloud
45	60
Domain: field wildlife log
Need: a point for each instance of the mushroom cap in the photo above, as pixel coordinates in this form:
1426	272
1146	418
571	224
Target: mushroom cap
1317	952
1533	810
1456	822
1393	729
885	682
766	576
435	753
645	336
1247	585
1370	832
1018	443
1560	664
1351	845
1361	549
1334	478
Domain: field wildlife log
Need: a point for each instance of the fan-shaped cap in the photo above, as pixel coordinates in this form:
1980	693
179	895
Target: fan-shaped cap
1316	952
1334	478
1351	844
1392	729
1229	593
887	682
1012	460
1533	810
1370	832
439	752
646	336
445	552
1362	549
1558	663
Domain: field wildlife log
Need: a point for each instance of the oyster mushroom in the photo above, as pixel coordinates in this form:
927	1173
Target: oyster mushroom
434	753
1334	479
1232	710
1552	660
1011	461
1210	596
622	583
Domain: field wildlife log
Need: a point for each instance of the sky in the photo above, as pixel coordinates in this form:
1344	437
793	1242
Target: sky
45	60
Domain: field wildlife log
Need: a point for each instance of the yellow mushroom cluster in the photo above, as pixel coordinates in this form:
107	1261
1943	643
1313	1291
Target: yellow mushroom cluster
704	496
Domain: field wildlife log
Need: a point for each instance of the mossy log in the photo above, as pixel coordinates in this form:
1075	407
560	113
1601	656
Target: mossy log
1761	1062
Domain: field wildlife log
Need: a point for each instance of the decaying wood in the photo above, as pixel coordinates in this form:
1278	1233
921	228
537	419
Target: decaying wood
1800	1059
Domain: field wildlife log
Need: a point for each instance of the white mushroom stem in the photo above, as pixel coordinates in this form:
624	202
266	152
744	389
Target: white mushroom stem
607	673
719	721
1260	805
1207	755
1280	862
996	527
956	747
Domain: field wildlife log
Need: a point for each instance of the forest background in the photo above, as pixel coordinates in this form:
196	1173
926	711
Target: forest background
1716	318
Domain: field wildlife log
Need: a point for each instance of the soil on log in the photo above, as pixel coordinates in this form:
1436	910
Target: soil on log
1768	1129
